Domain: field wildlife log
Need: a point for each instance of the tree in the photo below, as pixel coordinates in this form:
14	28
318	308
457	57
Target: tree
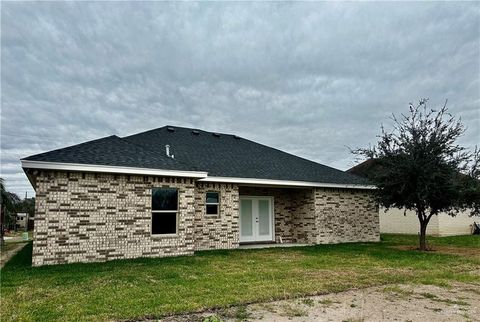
8	202
421	167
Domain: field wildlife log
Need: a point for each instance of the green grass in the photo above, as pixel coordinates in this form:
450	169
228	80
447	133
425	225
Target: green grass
153	287
467	241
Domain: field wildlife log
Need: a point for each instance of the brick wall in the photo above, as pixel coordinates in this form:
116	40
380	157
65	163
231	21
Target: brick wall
304	228
346	215
97	217
87	217
217	231
318	216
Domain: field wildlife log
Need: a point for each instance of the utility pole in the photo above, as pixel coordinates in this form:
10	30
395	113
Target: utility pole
26	212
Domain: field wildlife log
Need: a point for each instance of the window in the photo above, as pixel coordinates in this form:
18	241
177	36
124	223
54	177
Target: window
164	211
212	203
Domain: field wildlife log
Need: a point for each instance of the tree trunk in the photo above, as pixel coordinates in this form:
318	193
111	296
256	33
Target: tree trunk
423	233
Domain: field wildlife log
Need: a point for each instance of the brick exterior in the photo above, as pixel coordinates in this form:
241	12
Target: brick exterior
319	216
87	217
97	217
345	215
220	231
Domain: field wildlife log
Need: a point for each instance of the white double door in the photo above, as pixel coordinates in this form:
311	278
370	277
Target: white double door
256	219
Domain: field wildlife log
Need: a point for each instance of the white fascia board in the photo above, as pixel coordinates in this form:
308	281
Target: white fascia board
27	164
289	183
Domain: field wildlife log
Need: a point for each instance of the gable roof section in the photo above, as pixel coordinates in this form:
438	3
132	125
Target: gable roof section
224	157
364	169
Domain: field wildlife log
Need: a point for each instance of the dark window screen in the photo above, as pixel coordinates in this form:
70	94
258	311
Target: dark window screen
212	209
164	223
212	197
164	199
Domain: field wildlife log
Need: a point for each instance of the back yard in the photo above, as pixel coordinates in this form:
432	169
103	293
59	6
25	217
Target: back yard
152	288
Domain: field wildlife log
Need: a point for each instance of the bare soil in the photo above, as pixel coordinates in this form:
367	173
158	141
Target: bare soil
469	252
459	302
8	250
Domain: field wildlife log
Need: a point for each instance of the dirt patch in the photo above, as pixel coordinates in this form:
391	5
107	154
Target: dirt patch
470	252
460	302
9	250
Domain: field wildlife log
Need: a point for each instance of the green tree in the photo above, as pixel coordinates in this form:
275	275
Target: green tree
8	202
420	166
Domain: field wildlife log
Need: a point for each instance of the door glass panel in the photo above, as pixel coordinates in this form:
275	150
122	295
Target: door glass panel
246	222
264	217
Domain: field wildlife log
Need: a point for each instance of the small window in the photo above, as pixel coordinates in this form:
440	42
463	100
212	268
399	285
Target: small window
164	211
212	203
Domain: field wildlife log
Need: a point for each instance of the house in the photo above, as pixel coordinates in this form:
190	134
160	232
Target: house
172	191
399	221
21	221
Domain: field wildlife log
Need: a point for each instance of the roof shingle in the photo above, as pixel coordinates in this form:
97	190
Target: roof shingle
221	155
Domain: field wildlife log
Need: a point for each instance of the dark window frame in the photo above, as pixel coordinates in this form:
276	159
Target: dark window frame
212	204
169	211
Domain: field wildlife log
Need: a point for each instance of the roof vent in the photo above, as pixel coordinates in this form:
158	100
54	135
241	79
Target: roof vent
167	151
236	137
195	132
216	135
170	129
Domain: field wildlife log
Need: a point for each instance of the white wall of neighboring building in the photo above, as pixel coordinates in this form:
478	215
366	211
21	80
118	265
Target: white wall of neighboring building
461	224
393	221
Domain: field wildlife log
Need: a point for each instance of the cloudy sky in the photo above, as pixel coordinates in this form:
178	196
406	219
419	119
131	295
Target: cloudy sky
308	78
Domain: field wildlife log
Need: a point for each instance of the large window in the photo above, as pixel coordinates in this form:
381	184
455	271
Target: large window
164	211
212	203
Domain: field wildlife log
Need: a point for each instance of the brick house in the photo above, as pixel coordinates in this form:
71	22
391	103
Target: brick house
172	191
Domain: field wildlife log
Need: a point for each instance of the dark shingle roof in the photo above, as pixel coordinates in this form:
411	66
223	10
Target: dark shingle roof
111	151
220	155
364	169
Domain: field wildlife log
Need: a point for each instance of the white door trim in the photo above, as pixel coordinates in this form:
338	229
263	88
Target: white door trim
255	227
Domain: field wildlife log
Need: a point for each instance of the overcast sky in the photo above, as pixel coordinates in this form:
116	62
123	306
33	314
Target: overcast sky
307	78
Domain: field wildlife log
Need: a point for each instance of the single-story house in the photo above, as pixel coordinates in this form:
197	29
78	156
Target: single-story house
172	191
399	221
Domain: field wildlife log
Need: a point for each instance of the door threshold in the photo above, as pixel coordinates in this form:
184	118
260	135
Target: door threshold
269	245
258	242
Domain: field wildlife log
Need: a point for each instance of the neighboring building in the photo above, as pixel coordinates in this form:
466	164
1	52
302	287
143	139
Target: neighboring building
21	221
400	222
173	191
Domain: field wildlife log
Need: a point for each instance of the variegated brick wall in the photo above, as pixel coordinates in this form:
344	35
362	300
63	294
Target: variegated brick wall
97	217
346	215
87	217
321	215
304	217
217	231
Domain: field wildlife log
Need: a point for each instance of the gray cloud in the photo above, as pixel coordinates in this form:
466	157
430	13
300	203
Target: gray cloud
308	78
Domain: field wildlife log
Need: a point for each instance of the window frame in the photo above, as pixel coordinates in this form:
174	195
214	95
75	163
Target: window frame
152	212
212	203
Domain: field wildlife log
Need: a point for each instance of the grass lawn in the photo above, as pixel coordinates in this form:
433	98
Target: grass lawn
142	288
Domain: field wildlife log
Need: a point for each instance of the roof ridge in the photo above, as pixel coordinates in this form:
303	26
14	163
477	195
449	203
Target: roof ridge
177	127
